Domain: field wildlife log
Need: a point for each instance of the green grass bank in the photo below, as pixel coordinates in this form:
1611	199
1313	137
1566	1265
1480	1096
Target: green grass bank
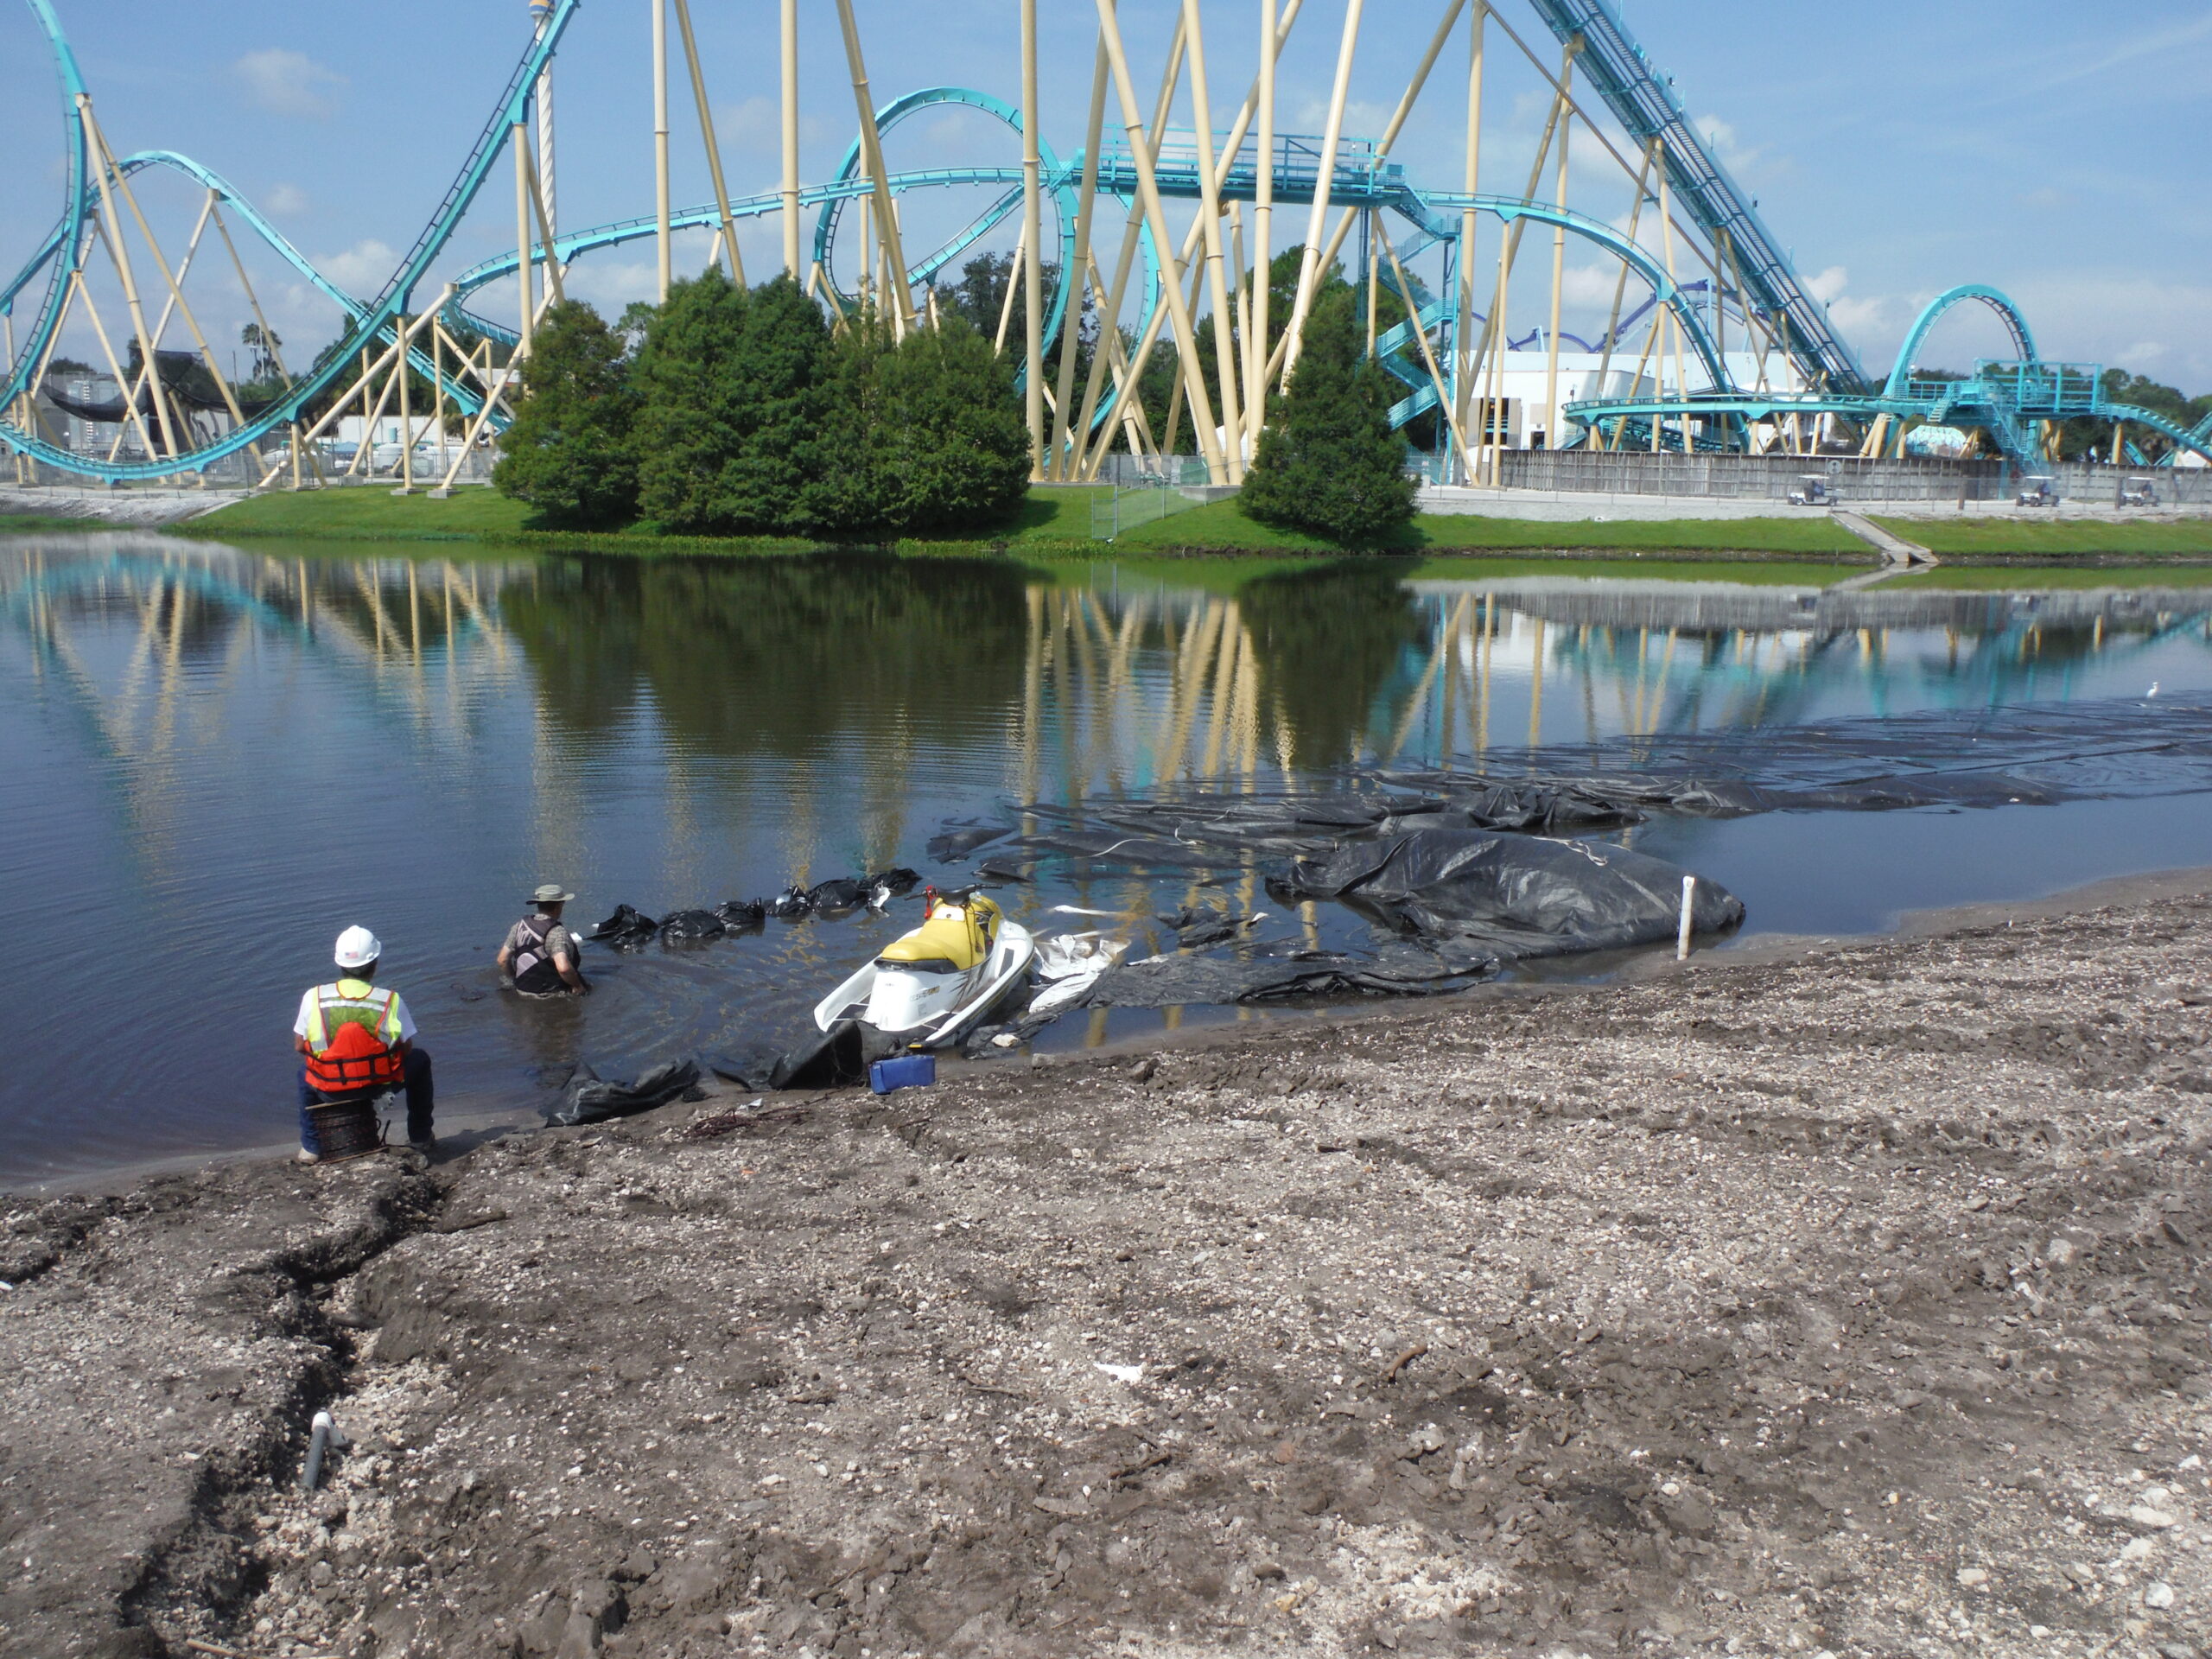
1964	538
1056	523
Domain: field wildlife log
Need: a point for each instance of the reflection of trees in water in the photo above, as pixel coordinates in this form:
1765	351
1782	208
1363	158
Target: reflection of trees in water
1328	642
775	655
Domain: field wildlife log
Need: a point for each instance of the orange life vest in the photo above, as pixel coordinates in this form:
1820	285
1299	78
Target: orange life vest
353	1041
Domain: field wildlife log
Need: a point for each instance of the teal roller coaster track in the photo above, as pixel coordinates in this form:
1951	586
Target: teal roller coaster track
2009	401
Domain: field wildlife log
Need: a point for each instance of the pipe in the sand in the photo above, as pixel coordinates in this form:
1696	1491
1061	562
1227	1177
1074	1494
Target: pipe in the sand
318	1443
1682	933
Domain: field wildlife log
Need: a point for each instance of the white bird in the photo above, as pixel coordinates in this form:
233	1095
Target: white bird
2154	691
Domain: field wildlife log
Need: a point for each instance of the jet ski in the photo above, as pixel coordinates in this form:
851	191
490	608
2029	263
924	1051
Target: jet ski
929	987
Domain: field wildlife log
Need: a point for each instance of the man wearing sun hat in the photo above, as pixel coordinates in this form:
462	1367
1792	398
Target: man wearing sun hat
540	952
359	1040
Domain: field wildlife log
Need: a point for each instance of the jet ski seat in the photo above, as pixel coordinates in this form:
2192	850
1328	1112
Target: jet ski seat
948	943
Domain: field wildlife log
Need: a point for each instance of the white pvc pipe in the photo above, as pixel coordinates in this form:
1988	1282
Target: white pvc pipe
1683	934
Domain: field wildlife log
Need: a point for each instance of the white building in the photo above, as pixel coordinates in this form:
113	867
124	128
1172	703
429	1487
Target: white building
389	431
1528	419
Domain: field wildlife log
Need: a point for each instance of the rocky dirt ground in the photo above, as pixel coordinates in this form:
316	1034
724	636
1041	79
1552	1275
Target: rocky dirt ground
1849	1303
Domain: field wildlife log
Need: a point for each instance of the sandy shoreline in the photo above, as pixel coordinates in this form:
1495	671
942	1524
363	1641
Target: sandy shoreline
1812	1297
475	1122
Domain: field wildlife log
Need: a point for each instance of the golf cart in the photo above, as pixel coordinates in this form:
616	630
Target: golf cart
1812	491
2138	493
2037	490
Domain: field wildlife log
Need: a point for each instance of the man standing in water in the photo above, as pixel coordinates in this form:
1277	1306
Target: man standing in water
359	1040
541	953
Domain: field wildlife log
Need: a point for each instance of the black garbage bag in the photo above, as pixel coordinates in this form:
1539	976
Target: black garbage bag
839	896
735	913
894	883
1181	978
625	929
791	904
591	1098
1517	896
1546	808
691	927
1202	925
836	1059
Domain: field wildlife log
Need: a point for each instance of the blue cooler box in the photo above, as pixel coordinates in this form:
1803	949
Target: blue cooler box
908	1071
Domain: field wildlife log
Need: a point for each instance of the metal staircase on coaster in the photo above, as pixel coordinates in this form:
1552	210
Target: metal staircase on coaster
2005	400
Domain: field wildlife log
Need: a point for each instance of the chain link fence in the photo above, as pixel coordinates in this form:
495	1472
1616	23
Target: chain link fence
1135	489
320	466
1928	480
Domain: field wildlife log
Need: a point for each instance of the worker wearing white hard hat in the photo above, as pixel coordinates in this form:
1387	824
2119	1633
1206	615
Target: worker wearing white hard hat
358	1040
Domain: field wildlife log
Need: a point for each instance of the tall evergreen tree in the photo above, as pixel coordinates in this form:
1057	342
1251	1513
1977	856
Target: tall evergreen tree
1328	462
733	385
568	452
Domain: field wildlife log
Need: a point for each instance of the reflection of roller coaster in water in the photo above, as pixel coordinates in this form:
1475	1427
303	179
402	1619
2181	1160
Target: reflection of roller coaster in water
1785	382
1065	689
1648	658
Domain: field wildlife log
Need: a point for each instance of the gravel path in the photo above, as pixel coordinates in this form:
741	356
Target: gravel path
1847	1302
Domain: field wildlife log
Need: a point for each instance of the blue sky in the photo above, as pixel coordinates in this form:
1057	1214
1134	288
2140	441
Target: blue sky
1897	148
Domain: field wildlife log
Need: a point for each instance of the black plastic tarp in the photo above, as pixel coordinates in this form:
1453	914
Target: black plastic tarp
1184	978
591	1098
1519	896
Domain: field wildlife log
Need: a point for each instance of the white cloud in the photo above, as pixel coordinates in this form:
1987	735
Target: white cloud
1870	315
362	268
2074	67
1828	285
611	284
1594	285
2150	324
757	125
289	83
285	200
1720	138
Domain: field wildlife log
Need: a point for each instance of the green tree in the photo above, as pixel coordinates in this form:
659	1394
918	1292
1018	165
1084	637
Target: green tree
733	389
571	451
1158	383
1328	462
262	349
980	295
950	444
926	435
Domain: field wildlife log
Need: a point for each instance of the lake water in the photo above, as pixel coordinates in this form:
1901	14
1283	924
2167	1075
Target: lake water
215	758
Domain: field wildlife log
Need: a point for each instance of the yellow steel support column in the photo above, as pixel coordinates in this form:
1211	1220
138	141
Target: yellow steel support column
1552	422
1209	222
1156	217
1061	461
663	239
1033	229
790	138
1258	350
887	219
1309	275
707	134
524	276
1462	336
103	164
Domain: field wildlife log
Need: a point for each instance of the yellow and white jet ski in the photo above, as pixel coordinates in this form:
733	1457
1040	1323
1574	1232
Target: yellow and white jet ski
929	987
